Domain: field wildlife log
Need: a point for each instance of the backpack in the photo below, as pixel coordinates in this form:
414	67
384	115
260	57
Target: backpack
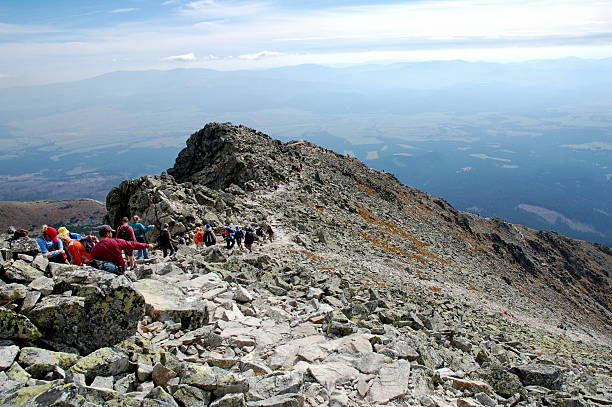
123	233
89	242
209	238
249	237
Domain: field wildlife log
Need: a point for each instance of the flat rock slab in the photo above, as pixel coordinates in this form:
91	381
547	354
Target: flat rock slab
7	356
539	375
329	374
38	362
103	362
392	382
22	272
164	302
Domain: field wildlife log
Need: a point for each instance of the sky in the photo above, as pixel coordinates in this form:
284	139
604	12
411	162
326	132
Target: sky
43	41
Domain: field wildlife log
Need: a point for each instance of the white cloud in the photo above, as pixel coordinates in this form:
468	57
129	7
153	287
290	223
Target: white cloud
553	217
227	8
260	55
170	2
122	10
594	146
372	155
403	154
5	75
25	29
509	166
487	157
182	58
464	169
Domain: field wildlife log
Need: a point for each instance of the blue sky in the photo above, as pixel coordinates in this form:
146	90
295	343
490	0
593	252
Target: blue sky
44	41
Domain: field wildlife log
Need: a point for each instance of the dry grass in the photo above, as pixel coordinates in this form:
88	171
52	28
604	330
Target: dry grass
307	254
326	268
368	190
390	248
389	226
315	206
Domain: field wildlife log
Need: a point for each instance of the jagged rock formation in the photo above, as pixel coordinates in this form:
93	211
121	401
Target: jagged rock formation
371	293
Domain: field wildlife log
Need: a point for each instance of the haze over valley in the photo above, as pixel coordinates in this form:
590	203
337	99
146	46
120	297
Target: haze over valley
528	142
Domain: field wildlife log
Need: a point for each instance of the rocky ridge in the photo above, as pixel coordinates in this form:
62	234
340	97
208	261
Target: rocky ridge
371	293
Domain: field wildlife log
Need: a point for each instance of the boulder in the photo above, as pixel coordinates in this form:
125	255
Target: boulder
230	400
191	396
102	362
504	383
17	326
39	362
43	284
213	379
12	292
22	272
282	400
548	376
164	302
7	356
107	313
25	245
392	382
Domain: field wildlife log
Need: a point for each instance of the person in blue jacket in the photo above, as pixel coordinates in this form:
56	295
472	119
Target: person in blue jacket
139	232
51	247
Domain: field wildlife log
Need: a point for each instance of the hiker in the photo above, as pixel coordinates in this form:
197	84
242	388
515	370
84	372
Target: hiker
249	239
181	238
51	247
140	231
106	255
198	237
209	236
239	236
270	233
78	254
230	236
64	231
126	232
259	232
166	242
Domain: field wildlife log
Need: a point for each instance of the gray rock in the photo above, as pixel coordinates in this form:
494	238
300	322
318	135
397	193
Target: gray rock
548	376
161	375
7	356
243	295
12	292
16	326
392	382
101	382
39	362
107	312
43	284
24	245
282	400
164	302
191	396
230	400
30	301
40	262
22	272
160	395
102	362
213	379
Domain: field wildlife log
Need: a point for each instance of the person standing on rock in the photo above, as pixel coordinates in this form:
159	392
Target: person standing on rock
140	231
249	239
270	233
126	232
209	236
106	255
198	237
51	247
239	236
230	237
166	242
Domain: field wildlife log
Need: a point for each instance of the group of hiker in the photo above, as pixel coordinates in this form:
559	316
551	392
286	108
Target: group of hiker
114	250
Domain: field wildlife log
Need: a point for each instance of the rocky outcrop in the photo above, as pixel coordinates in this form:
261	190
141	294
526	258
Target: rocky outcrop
370	293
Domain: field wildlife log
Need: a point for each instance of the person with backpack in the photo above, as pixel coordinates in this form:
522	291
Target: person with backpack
165	241
270	232
140	231
51	247
107	254
209	236
230	236
126	232
239	235
78	254
249	239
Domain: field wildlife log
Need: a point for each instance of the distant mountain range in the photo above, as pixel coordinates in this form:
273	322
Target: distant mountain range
495	139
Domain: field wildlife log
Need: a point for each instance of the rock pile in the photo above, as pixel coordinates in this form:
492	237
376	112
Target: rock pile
372	293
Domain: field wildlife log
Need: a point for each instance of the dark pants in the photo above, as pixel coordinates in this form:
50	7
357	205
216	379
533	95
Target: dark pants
230	243
58	258
169	249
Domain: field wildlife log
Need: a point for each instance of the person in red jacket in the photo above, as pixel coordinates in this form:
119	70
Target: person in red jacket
109	250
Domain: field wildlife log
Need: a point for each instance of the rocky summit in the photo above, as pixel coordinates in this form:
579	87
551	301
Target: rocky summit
370	293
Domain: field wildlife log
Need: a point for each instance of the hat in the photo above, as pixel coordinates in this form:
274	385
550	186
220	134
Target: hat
104	229
62	230
52	233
